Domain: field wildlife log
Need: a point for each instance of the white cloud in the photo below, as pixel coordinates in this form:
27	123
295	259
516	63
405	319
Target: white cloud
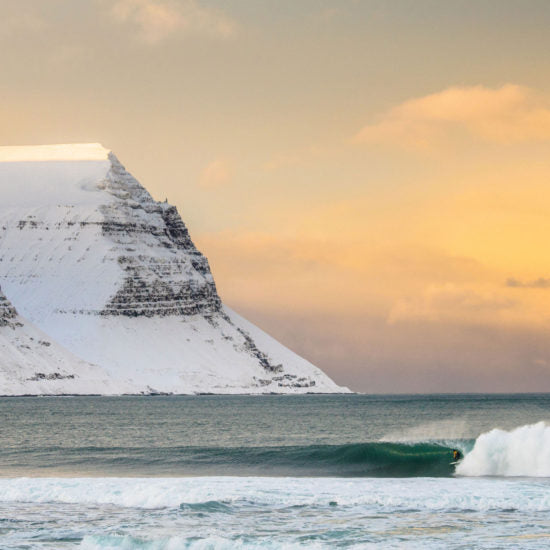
508	114
160	19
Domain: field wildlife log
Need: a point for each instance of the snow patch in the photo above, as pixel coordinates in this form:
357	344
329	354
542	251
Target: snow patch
68	151
32	363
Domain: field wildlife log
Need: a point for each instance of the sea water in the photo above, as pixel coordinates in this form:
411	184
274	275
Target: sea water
209	472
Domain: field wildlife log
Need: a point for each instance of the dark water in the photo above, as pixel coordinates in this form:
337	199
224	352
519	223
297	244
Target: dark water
346	435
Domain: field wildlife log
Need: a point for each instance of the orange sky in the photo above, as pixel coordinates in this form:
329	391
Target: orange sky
369	179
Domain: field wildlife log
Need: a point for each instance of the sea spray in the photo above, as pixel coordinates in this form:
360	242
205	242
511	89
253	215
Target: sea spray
448	430
524	451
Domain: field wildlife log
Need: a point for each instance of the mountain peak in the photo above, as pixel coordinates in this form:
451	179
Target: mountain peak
109	274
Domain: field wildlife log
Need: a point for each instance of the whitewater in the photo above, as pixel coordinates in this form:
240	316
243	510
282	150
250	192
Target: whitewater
229	512
224	472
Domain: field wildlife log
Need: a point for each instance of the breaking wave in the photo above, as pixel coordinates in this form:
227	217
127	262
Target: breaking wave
524	451
376	459
371	459
379	459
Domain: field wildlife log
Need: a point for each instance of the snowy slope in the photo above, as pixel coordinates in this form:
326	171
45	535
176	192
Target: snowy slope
31	363
112	276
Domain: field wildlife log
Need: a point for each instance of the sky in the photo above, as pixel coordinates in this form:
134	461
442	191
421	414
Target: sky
370	180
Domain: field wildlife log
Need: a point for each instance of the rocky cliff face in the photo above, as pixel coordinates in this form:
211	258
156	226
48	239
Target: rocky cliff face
114	276
179	283
7	311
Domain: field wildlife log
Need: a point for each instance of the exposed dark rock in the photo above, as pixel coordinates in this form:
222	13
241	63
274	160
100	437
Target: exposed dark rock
262	381
176	230
263	359
149	291
7	311
52	376
155	285
307	384
29	222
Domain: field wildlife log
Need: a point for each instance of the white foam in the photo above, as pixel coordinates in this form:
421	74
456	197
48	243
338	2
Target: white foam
370	494
184	543
524	451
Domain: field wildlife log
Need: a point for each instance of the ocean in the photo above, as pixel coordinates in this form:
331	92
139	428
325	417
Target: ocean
278	472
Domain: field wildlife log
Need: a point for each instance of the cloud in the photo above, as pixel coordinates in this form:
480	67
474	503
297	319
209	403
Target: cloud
451	303
160	19
509	114
537	283
217	174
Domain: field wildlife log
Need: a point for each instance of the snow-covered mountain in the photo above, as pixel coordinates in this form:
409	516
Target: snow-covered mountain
31	363
113	277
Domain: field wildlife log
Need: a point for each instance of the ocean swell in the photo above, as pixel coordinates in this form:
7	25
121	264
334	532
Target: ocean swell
370	459
374	459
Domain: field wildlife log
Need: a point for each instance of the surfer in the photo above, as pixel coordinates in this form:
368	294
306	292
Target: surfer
457	455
